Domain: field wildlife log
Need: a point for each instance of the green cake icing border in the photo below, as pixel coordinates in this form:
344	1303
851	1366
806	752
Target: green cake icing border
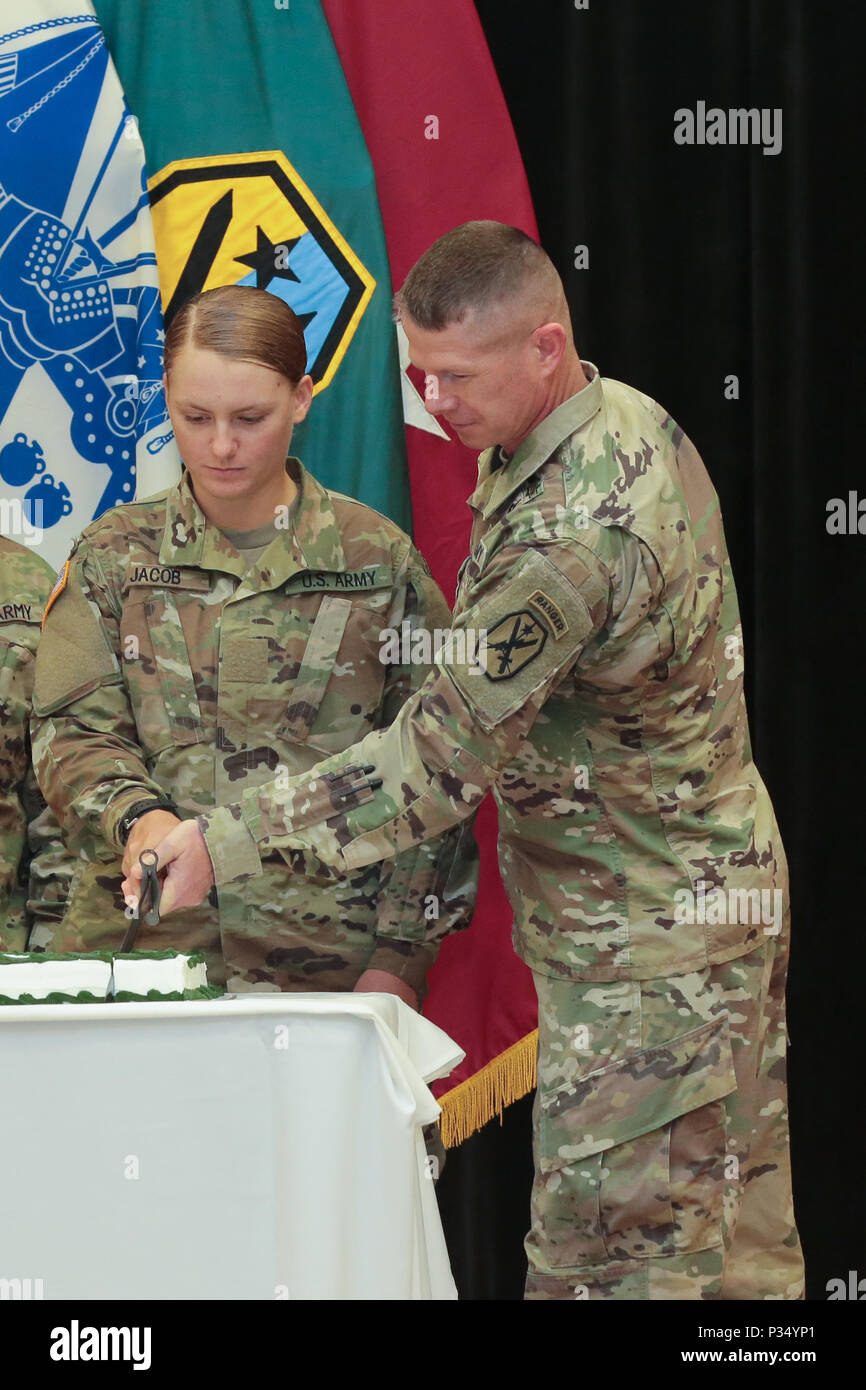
125	996
128	996
85	997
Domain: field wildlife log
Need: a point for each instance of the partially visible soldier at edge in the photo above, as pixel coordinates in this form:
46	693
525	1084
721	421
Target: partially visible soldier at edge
638	843
35	867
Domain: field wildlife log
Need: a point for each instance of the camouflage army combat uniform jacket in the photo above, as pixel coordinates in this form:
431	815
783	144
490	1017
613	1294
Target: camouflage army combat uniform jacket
636	836
168	669
35	868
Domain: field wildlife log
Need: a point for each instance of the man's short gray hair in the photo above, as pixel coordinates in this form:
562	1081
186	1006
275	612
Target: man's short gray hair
472	267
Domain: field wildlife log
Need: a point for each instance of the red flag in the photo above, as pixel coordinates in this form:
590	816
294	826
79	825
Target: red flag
444	152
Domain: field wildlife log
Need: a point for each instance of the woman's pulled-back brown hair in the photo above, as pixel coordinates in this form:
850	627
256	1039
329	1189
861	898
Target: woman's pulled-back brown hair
242	322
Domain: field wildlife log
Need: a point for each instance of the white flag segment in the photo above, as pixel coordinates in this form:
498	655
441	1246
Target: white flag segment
83	423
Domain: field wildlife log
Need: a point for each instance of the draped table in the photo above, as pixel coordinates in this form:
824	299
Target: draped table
257	1146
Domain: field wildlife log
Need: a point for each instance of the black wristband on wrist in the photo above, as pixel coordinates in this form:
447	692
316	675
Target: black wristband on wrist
140	808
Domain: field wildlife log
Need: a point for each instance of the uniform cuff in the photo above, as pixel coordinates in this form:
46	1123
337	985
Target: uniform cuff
233	851
119	807
408	960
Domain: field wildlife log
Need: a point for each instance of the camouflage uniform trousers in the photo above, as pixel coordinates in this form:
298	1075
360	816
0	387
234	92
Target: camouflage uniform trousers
660	1137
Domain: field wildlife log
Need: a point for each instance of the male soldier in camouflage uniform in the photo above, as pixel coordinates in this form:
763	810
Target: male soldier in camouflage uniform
35	868
637	840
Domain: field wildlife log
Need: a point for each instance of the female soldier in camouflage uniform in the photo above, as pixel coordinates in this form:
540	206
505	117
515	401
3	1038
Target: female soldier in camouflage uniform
220	634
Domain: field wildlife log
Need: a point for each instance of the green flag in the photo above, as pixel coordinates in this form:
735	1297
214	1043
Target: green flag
258	174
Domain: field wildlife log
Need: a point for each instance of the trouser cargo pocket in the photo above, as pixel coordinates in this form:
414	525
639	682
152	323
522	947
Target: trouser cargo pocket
630	1158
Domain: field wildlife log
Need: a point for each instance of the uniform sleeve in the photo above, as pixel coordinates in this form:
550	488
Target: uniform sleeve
530	613
35	866
85	744
51	867
15	683
428	889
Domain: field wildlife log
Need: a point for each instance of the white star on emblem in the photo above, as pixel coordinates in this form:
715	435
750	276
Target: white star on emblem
414	411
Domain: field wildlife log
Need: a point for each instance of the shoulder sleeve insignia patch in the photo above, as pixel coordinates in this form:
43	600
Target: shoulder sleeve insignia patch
512	643
528	628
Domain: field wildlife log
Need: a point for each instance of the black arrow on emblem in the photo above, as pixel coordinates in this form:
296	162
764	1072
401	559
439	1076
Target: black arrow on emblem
204	252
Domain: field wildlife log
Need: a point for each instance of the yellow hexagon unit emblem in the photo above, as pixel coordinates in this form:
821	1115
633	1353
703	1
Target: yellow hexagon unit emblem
249	219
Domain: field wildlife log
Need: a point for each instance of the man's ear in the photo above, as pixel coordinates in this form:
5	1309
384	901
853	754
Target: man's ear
550	342
165	384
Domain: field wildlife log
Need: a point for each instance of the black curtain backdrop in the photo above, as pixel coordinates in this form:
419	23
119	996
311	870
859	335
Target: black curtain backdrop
706	262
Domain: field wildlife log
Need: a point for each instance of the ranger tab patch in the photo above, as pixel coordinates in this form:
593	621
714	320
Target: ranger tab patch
550	611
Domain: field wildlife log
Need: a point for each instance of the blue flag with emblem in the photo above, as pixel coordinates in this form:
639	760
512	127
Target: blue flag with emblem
82	408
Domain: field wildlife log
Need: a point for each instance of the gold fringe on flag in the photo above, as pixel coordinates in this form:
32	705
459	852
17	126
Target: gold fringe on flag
510	1075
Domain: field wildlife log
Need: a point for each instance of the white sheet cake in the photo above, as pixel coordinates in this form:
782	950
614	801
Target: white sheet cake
102	977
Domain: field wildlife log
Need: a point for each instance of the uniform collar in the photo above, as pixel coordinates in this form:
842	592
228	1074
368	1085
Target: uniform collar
495	486
311	540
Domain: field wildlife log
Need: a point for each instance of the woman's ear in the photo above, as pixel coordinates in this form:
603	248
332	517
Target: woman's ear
303	398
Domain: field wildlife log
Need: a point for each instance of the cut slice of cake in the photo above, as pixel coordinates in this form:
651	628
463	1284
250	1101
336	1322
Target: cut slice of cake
158	975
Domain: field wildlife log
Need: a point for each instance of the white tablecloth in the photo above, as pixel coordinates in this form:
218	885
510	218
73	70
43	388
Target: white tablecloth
258	1146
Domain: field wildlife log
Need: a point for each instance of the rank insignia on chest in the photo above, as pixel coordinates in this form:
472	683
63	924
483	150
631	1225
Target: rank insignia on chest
512	643
528	493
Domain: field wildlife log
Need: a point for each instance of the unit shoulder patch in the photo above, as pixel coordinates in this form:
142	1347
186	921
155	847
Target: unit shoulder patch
512	643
